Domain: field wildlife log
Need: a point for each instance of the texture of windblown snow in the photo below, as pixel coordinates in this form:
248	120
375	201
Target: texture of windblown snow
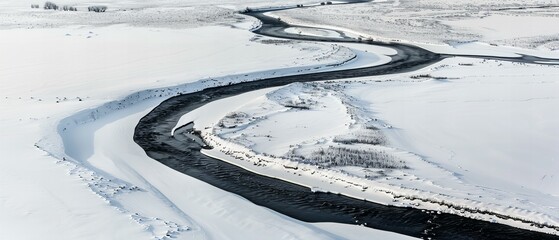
527	24
97	78
281	125
475	134
71	98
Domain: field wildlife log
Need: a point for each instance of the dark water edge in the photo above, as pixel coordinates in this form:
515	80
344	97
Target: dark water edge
153	134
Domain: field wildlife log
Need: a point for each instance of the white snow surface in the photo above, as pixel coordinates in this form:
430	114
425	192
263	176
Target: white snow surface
74	84
527	24
71	97
475	134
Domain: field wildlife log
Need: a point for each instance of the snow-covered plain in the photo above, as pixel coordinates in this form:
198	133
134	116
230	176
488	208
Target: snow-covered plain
474	134
506	185
71	96
527	24
86	179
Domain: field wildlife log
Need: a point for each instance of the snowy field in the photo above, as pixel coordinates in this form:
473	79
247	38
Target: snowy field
73	85
69	168
526	24
473	134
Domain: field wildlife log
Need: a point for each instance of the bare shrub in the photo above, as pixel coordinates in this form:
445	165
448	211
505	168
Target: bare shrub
97	8
69	8
373	137
234	119
339	156
428	76
304	104
276	41
34	5
421	76
50	5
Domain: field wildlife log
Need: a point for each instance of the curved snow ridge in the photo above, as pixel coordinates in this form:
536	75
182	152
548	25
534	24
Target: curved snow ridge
336	56
109	188
74	149
354	181
330	56
339	54
304	27
341	182
465	48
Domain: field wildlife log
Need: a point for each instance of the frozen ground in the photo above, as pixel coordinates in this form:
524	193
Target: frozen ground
527	24
69	168
472	134
80	68
166	13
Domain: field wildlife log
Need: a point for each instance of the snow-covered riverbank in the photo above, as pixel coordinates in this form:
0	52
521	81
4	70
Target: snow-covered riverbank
74	85
264	128
531	25
93	171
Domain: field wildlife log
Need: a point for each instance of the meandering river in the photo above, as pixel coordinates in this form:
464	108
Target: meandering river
153	134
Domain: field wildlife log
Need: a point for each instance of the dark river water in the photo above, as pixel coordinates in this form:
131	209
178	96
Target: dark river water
153	134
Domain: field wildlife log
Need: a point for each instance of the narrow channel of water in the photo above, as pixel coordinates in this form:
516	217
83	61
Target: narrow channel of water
153	134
